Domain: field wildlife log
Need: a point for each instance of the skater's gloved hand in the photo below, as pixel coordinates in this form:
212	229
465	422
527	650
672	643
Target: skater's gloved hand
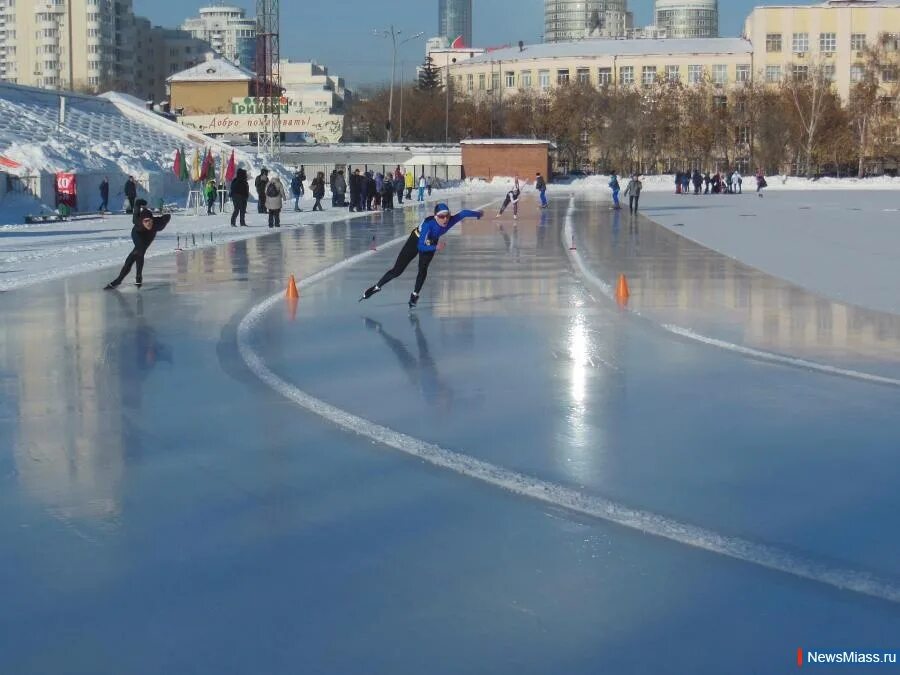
441	245
480	213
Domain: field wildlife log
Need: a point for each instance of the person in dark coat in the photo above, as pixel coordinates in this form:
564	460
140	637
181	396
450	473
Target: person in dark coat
340	189
240	194
130	191
387	194
698	181
355	189
262	180
104	195
331	179
370	190
318	190
146	225
297	190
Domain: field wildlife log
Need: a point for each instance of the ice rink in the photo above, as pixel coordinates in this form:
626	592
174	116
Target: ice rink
519	476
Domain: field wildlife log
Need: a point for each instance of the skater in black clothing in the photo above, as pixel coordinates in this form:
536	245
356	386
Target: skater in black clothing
104	195
146	225
422	242
262	180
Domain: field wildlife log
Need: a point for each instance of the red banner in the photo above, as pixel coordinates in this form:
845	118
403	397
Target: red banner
65	190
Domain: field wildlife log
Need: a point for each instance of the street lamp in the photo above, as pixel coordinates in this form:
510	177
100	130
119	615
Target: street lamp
447	93
394	34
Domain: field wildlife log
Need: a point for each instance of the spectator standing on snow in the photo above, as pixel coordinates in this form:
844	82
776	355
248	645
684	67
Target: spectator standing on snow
410	182
355	190
297	190
209	192
633	191
370	191
428	185
340	188
541	186
262	180
239	192
686	182
698	181
331	180
421	196
707	181
387	193
318	190
275	200
677	182
736	180
146	225
130	191
398	185
104	195
614	186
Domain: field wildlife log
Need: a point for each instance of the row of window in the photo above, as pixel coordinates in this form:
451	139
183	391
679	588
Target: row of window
801	72
827	42
649	75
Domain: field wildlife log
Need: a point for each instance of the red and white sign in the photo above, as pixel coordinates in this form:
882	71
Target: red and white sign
66	192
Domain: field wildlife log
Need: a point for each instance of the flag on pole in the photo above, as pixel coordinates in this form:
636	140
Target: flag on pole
208	170
224	168
182	171
195	170
231	170
176	165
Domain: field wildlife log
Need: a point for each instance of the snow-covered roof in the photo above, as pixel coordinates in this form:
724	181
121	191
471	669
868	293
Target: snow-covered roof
595	48
504	141
218	70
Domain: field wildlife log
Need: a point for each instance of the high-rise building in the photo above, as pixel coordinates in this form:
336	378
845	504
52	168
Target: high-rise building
77	44
580	19
688	18
228	30
455	20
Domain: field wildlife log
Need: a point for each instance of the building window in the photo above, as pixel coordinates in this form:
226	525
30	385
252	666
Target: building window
584	76
510	79
544	79
889	74
773	42
562	76
800	43
482	79
626	74
648	75
828	43
743	135
720	102
773	73
828	72
604	76
695	74
742	73
495	81
673	73
470	82
525	79
857	71
720	73
858	41
799	73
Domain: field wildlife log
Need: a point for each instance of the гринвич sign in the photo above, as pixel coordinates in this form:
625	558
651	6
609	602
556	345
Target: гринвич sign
320	127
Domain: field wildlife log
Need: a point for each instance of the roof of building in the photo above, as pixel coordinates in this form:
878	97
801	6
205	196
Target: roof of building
504	141
591	48
218	70
834	4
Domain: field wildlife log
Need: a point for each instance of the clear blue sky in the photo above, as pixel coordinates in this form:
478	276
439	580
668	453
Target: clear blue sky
345	44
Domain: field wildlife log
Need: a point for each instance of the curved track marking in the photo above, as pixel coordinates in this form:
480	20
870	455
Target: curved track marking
765	556
606	289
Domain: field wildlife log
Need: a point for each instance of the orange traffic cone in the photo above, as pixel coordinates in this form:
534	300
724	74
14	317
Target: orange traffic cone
622	288
292	291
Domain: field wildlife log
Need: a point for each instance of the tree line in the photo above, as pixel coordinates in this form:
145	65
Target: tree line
799	125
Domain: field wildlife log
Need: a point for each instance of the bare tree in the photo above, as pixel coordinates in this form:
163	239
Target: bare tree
809	90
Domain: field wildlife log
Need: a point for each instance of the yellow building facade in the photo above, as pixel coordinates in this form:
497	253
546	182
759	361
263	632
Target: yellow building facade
791	40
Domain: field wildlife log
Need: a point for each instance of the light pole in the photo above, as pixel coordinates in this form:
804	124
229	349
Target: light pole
394	34
447	92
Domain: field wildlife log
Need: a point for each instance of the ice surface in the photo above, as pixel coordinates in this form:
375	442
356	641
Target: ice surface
162	509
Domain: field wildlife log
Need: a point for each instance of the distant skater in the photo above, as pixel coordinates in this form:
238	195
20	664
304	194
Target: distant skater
541	186
760	182
633	191
512	197
422	242
146	225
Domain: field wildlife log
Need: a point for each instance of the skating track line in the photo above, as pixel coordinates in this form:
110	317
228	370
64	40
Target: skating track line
762	555
568	231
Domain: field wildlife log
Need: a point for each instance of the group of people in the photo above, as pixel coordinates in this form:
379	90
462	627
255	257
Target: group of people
717	183
373	191
512	197
632	191
129	190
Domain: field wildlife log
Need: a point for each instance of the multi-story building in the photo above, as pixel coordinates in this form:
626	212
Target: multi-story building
310	85
792	40
626	63
688	18
228	31
455	20
90	46
566	20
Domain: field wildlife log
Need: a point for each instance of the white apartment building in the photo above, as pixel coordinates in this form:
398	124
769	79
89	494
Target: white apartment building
69	44
228	31
312	88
